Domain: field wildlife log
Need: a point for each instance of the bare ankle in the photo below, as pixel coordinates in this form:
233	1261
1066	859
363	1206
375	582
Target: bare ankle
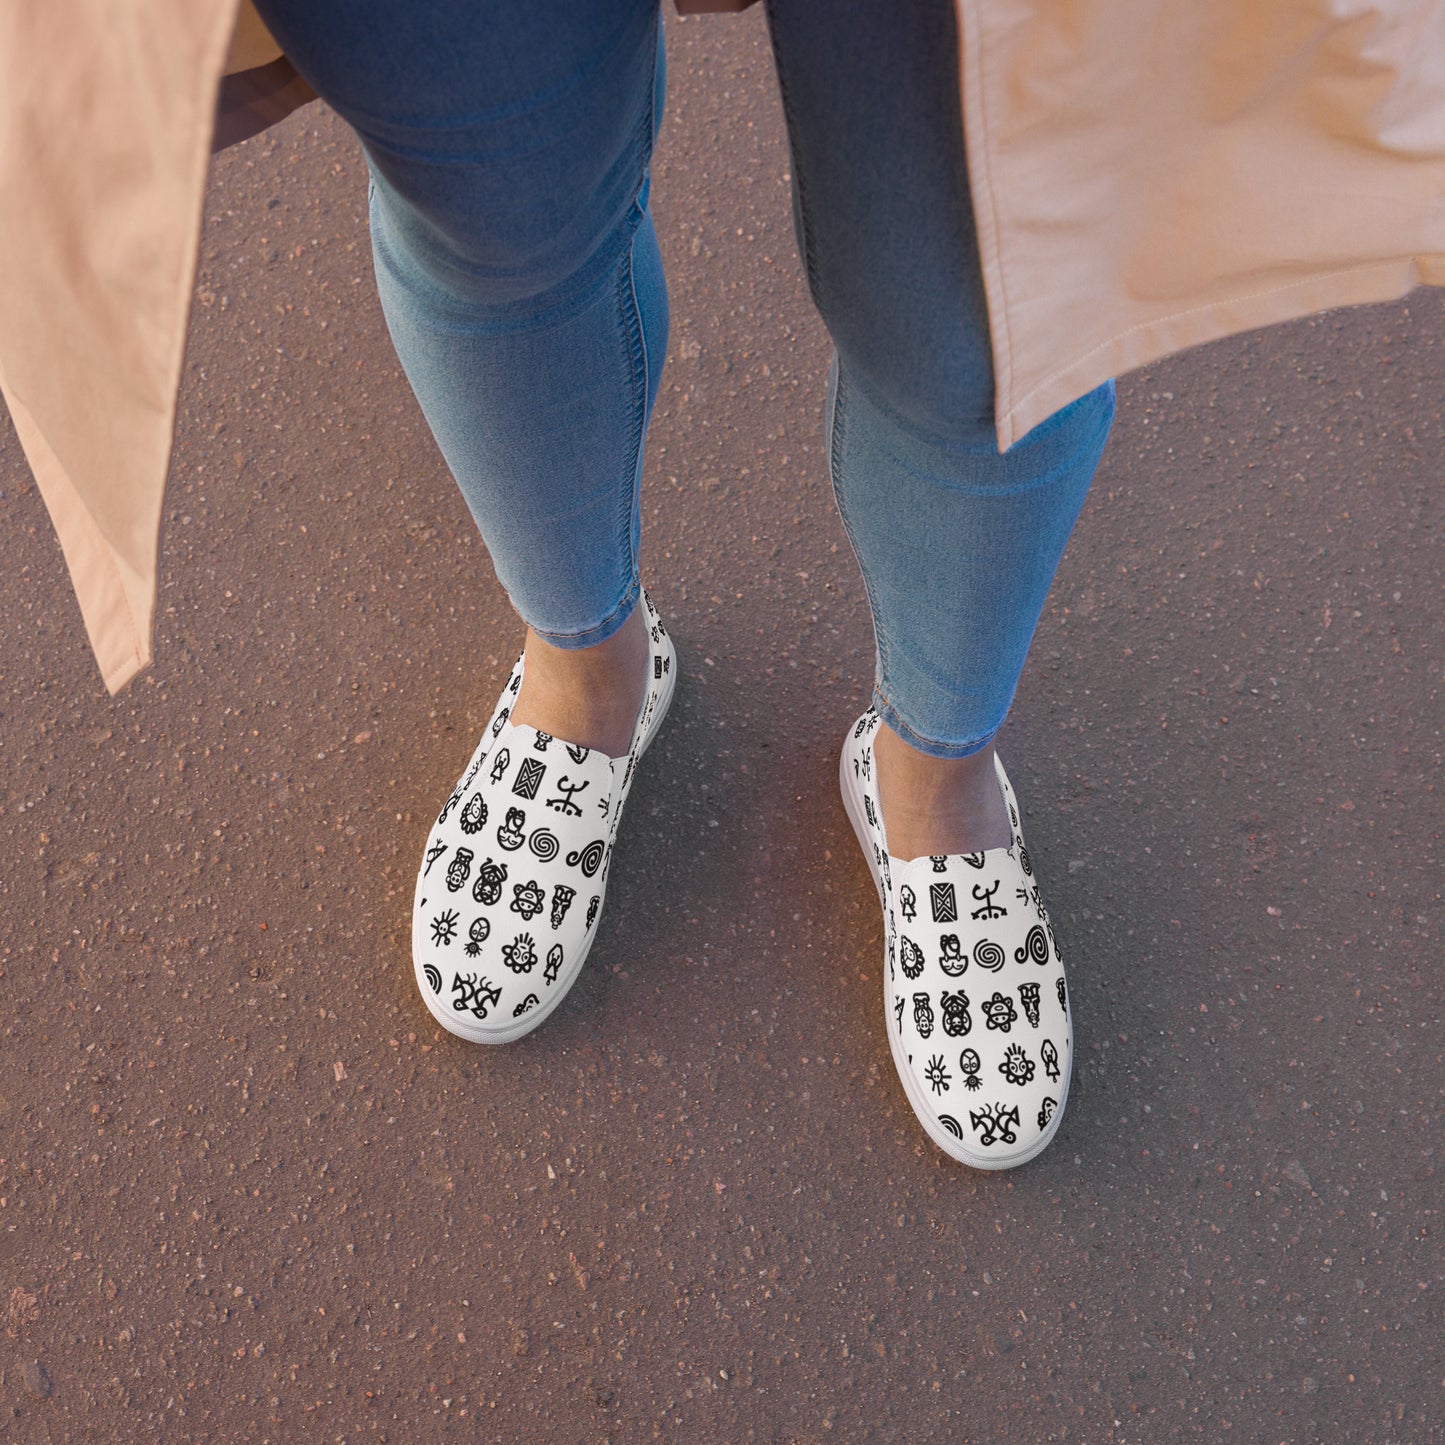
590	696
938	805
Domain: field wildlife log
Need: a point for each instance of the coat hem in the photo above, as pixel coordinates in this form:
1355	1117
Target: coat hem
1167	335
119	638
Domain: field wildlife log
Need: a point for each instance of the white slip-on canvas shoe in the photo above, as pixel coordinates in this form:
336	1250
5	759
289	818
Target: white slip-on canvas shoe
510	892
977	1008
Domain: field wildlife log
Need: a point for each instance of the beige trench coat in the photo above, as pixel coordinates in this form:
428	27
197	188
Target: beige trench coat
1146	175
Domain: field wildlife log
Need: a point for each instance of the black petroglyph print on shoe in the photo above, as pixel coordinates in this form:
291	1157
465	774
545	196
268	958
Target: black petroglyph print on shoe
544	844
1017	1067
520	955
922	1015
474	815
529	778
566	790
969	1065
937	1076
510	834
588	859
433	977
562	897
907	904
530	1002
459	869
500	764
478	934
477	996
1035	947
1050	1055
957	1021
528	899
910	956
952	960
989	955
487	890
1029	997
554	963
432	854
990	909
994	1123
943	900
999	1013
444	927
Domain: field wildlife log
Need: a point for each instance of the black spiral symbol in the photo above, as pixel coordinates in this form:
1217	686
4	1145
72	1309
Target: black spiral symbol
589	859
1024	862
1035	947
433	977
987	954
544	844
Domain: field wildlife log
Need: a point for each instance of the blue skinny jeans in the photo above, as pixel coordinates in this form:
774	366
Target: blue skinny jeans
508	145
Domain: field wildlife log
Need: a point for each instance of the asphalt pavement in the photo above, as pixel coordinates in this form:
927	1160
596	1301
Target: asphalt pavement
248	1191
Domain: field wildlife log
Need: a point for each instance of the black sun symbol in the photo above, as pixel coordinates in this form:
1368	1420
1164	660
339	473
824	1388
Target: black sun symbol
444	927
936	1074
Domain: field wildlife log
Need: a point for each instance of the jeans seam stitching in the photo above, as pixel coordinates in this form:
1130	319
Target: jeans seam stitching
636	342
835	442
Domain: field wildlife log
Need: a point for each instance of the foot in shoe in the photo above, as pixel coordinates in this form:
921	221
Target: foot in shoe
938	805
512	884
976	1004
588	695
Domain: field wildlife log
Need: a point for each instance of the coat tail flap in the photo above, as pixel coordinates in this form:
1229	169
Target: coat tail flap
116	601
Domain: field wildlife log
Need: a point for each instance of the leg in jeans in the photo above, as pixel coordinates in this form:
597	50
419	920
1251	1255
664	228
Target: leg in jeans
957	543
519	272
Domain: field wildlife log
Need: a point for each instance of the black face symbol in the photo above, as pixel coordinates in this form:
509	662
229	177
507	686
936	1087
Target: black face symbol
562	897
488	887
956	1020
922	1015
459	869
